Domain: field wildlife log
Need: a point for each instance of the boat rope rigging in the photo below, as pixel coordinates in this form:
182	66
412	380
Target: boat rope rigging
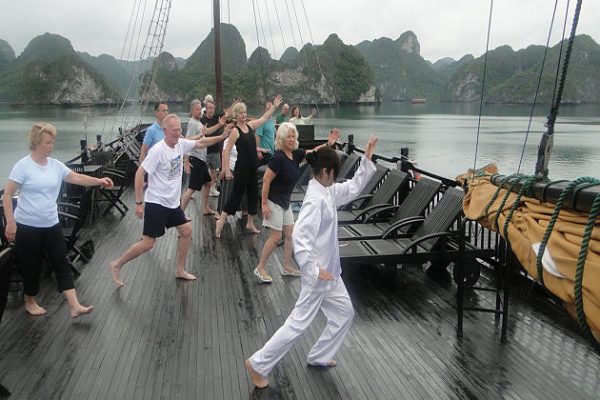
295	25
485	60
545	147
133	50
537	88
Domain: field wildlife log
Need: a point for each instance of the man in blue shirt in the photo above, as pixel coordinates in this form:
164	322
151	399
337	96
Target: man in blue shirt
266	136
154	133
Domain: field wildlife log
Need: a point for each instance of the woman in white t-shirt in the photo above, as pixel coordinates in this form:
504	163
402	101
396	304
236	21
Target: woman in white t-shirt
34	225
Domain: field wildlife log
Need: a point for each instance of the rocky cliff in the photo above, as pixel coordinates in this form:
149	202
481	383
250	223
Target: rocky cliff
50	72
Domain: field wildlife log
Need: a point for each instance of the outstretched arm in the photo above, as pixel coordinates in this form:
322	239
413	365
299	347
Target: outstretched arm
206	141
85	180
265	117
349	190
334	136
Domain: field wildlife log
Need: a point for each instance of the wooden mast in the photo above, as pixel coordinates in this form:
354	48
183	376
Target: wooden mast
218	76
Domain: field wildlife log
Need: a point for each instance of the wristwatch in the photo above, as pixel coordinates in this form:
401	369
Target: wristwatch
139	203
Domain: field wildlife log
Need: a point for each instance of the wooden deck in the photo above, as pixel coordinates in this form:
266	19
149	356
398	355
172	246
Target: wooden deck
158	338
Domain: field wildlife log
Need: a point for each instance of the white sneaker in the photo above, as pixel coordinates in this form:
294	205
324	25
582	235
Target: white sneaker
214	192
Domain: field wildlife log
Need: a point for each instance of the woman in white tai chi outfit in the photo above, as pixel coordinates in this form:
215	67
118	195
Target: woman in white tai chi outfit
315	243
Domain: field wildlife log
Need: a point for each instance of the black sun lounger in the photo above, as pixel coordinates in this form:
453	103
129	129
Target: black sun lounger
428	243
377	194
408	213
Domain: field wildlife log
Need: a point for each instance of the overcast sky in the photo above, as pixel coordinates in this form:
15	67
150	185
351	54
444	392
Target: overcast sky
444	28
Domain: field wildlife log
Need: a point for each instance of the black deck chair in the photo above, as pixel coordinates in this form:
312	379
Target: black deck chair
378	193
113	195
349	165
410	212
429	243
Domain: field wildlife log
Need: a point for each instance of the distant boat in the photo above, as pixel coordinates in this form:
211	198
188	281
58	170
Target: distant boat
418	100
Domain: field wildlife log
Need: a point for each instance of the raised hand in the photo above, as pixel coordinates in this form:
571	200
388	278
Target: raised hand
371	146
277	101
334	136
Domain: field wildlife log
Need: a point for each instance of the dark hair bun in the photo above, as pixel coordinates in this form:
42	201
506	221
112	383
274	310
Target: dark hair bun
311	158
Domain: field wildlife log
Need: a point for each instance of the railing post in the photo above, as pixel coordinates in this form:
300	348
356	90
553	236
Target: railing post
350	147
404	164
84	154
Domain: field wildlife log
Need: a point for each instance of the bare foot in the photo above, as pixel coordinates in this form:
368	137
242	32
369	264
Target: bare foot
35	309
115	271
185	275
219	227
330	363
258	380
208	211
81	310
253	229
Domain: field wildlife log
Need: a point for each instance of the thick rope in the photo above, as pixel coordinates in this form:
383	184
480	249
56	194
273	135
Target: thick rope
567	191
486	211
578	289
526	189
516	179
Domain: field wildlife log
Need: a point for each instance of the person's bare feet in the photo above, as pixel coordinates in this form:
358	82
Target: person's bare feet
219	227
258	380
208	211
81	310
253	229
35	309
115	271
185	275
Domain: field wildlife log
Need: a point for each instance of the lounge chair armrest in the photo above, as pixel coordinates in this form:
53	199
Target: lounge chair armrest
415	243
374	208
62	214
399	224
72	208
384	210
350	205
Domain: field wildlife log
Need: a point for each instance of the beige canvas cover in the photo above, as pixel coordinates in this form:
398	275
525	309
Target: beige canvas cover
526	229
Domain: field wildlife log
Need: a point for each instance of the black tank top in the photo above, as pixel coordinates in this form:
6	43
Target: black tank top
246	149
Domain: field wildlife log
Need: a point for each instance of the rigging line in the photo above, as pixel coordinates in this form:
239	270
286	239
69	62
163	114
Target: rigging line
545	147
558	61
121	57
567	58
306	52
537	89
280	29
155	47
312	40
270	31
262	28
136	65
485	59
260	60
291	24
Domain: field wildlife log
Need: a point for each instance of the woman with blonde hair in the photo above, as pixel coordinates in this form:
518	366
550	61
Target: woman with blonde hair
245	179
279	180
33	225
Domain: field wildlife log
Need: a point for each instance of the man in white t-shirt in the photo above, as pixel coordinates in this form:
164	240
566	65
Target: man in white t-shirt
164	166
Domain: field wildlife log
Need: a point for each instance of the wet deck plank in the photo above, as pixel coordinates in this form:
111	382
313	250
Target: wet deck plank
166	339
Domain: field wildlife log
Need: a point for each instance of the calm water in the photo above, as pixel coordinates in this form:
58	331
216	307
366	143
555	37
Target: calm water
441	137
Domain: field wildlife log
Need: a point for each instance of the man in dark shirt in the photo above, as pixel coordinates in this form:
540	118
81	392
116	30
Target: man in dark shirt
213	156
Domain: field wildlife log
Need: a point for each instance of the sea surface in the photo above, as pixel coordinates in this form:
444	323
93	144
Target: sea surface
442	138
